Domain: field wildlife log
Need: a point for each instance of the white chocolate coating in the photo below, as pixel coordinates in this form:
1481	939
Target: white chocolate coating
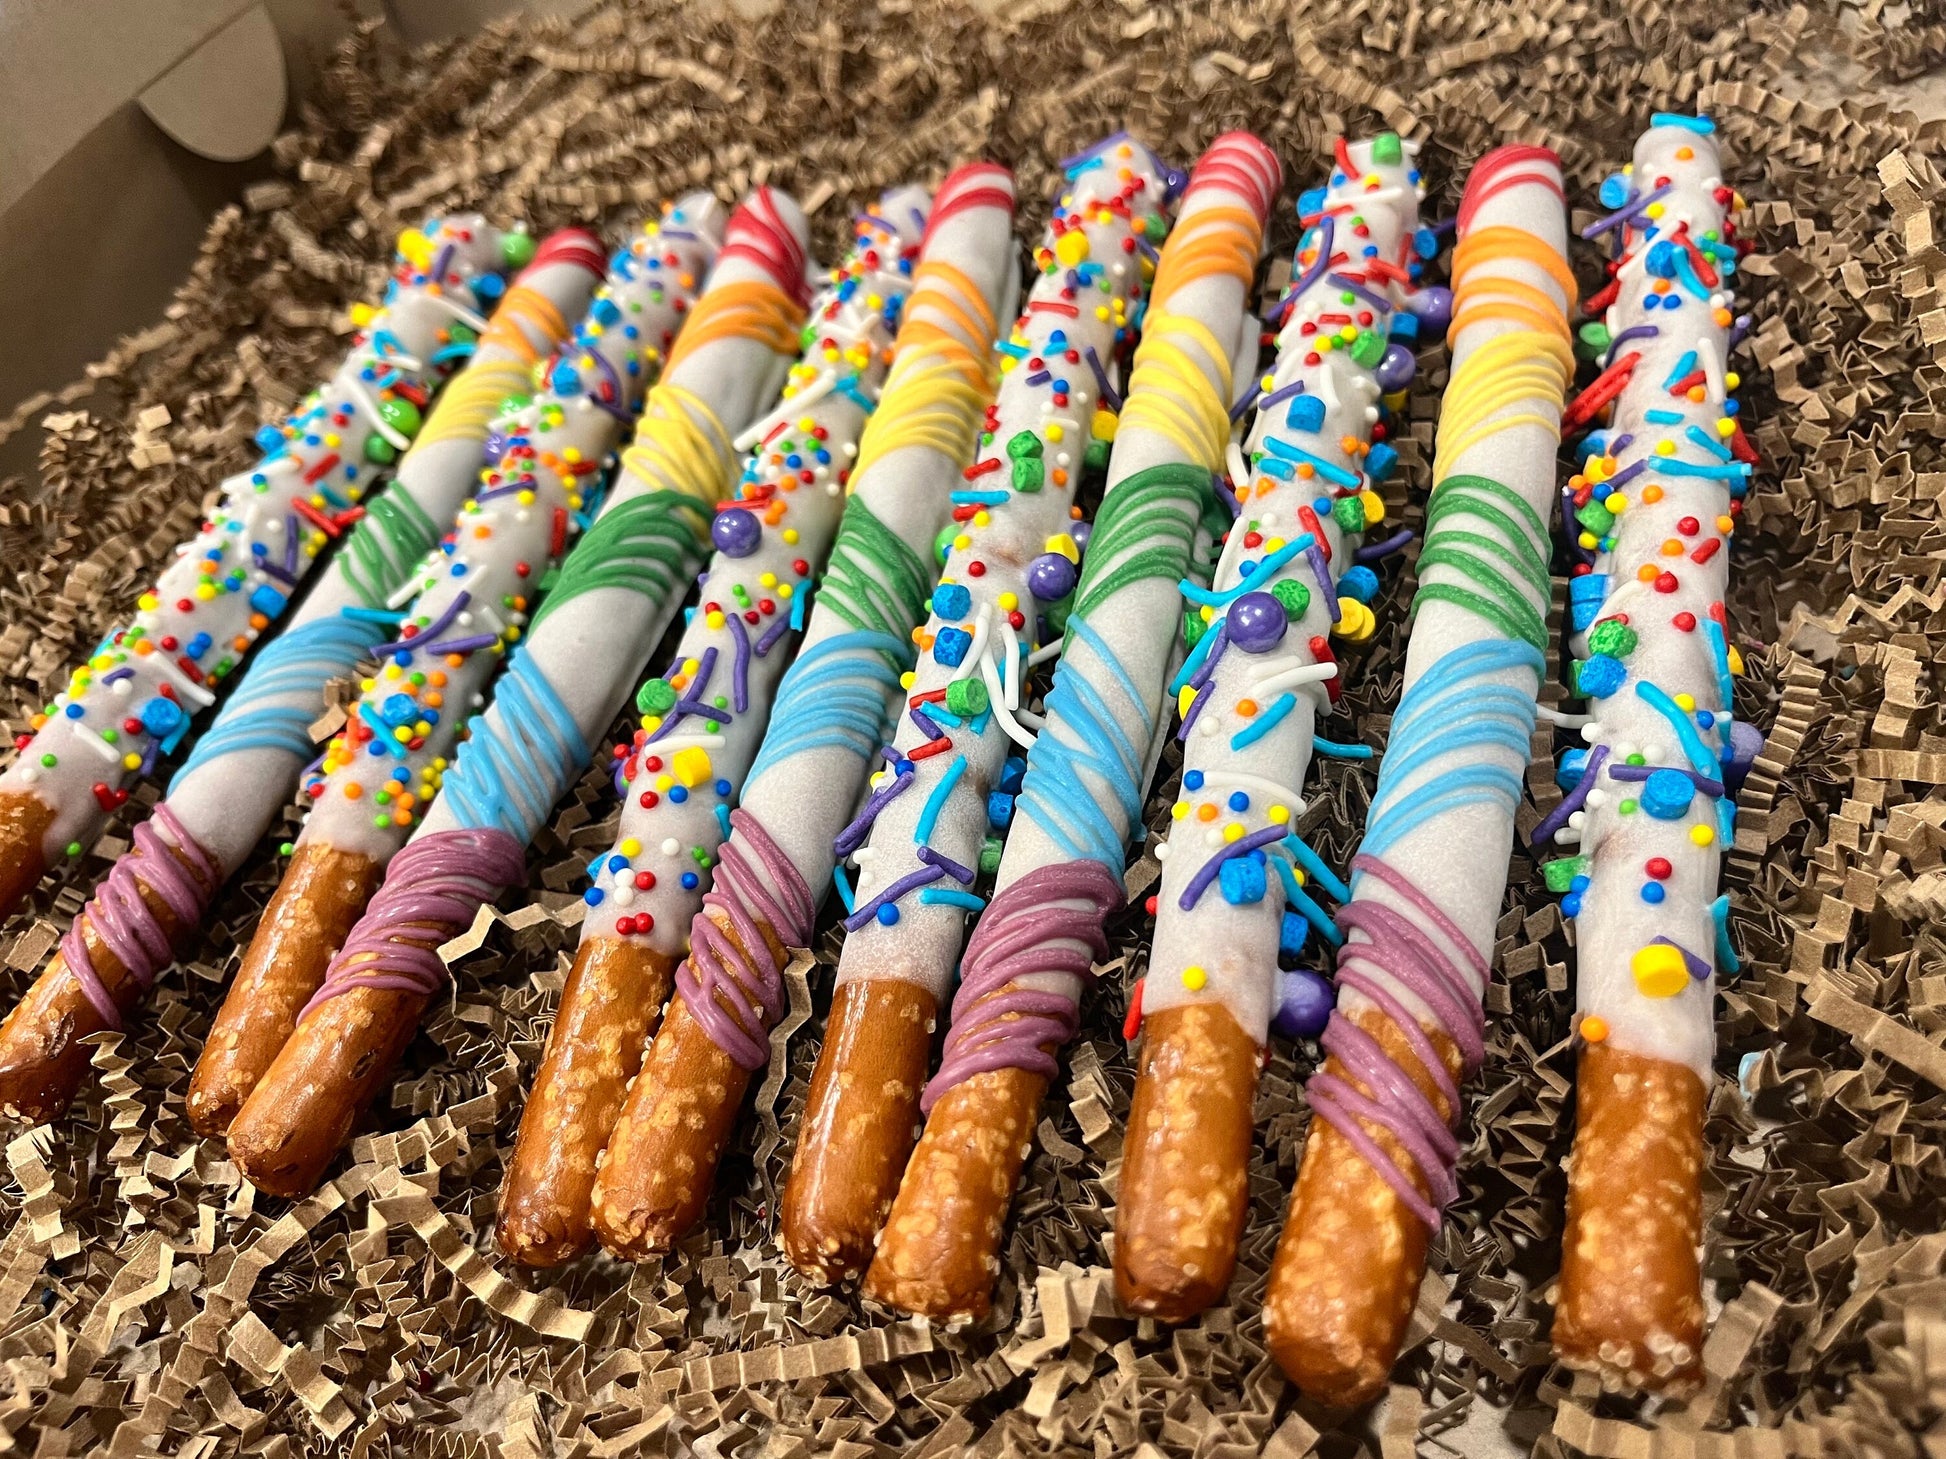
1615	925
240	776
687	774
234	578
1081	301
1516	446
1214	951
803	796
371	788
592	649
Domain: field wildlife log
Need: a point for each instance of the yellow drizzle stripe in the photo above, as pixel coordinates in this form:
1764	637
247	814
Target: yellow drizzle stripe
941	377
1177	395
466	406
1170	390
681	444
533	309
1503	383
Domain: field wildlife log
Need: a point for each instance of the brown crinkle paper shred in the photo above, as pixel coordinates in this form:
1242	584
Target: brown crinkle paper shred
151	1302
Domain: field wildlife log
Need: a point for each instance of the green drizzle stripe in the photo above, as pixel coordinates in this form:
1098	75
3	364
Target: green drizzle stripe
390	538
875	581
644	545
1494	595
1146	528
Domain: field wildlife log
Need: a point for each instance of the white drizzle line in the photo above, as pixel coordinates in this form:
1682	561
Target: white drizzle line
370	407
1239	780
1011	647
197	694
1712	367
1041	655
686	742
93	740
458	311
1290	678
998	704
976	651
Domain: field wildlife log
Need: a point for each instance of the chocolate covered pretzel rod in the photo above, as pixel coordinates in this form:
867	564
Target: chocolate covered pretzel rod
1653	801
243	769
832	709
1428	881
134	699
469	602
1087	772
1259	674
584	649
921	836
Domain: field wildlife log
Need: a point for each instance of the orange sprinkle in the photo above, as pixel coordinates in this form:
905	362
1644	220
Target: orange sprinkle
1246	707
1651	494
1594	1028
1671	548
354	791
1646	573
1206	811
1058	476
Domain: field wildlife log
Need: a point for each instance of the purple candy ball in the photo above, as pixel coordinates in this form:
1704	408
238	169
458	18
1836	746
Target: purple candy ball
1304	1001
1746	743
496	446
1395	371
1081	532
736	532
1434	306
1050	577
1257	622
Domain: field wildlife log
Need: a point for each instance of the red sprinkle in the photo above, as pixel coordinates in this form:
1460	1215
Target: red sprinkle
936	747
1132	1025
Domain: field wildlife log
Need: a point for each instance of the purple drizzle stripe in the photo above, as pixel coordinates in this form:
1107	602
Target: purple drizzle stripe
1392	950
1575	799
1032	927
740	664
732	984
432	891
123	921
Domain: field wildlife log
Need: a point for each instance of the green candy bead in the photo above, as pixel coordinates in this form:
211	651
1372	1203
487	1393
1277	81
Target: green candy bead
1095	458
656	696
1029	474
1023	445
1614	638
517	249
401	415
1595	517
943	543
967	697
990	850
1193	628
1387	150
379	451
1560	874
1594	338
1295	597
1349	513
1368	349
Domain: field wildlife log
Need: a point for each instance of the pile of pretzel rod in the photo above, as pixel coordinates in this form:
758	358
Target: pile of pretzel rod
908	651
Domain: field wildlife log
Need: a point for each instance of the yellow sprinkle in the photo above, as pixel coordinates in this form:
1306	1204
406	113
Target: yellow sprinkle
1278	815
1702	835
1194	978
1659	971
631	847
1233	831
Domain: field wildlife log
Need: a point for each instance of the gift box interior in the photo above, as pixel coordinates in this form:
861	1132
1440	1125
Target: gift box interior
152	1300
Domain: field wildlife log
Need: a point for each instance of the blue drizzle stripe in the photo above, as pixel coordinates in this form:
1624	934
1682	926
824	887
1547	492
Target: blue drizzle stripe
301	660
1083	734
1451	711
522	753
835	695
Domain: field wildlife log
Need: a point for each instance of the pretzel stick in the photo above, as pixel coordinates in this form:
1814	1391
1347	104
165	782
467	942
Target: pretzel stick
1087	771
1009	569
134	700
856	641
1659	499
243	769
469	603
564	685
1419	928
